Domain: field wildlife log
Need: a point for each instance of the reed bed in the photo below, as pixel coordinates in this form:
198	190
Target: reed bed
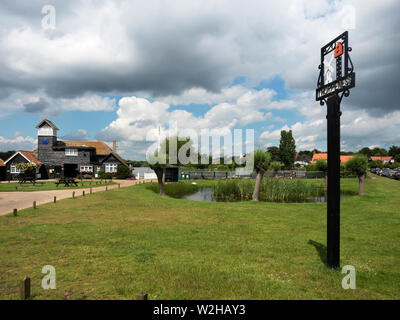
272	189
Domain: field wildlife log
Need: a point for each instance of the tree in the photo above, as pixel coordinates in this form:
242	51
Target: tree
181	149
274	152
322	165
358	166
366	151
394	151
306	153
375	164
261	163
379	152
122	172
287	148
276	166
6	155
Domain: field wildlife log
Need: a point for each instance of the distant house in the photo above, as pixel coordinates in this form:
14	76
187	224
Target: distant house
382	159
302	160
65	158
324	156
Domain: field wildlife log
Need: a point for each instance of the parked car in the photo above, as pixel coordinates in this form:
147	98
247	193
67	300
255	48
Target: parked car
396	175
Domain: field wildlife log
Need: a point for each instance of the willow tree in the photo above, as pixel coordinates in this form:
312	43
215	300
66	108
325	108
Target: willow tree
276	166
358	166
261	163
171	151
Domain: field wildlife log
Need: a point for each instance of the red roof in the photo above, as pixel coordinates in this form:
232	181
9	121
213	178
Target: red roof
344	159
324	156
383	159
30	156
2	164
319	156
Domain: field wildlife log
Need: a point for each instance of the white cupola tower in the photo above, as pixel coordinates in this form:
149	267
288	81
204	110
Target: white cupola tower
47	138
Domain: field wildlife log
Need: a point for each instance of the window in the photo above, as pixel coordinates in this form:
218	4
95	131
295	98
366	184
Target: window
71	152
14	169
111	167
86	168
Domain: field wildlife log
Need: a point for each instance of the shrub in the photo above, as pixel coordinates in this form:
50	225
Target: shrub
102	175
311	167
122	172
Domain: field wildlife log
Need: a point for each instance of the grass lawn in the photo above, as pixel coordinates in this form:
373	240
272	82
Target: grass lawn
115	244
50	185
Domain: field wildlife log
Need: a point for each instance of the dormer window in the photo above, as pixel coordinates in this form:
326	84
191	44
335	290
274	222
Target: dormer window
71	152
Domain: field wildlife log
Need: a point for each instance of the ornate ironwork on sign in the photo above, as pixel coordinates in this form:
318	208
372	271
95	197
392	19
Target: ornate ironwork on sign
337	79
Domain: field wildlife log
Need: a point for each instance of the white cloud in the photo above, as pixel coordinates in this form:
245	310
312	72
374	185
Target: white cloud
18	142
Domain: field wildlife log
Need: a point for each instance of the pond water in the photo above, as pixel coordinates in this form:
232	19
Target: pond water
206	194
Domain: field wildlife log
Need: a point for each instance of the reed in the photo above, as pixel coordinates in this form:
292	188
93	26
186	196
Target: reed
272	189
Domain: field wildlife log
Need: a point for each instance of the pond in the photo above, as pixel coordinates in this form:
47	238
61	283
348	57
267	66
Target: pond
206	194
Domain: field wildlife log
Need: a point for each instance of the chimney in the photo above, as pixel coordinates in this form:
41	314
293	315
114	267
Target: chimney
114	146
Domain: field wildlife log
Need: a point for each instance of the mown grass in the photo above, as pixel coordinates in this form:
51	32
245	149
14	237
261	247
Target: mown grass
50	185
115	244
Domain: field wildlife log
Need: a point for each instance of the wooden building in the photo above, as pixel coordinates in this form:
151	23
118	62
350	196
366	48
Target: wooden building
58	158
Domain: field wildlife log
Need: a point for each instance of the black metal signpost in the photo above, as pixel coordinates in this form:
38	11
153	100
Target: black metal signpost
333	84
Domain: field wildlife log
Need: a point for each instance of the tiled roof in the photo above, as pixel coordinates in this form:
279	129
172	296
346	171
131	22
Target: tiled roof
319	156
116	155
344	159
375	158
324	156
30	156
101	147
2	164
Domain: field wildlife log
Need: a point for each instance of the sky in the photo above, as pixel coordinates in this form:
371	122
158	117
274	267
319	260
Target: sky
118	70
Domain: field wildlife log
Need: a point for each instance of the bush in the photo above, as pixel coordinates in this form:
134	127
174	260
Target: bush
311	167
357	165
102	175
122	172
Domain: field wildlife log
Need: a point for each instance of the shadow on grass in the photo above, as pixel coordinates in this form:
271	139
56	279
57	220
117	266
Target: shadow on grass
321	250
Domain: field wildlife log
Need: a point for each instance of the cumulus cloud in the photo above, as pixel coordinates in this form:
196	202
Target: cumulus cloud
156	55
124	47
18	142
358	129
45	106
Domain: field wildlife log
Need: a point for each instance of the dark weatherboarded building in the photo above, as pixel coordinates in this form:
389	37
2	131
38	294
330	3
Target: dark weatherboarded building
58	158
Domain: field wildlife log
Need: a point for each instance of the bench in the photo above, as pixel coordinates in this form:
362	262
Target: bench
67	181
23	178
